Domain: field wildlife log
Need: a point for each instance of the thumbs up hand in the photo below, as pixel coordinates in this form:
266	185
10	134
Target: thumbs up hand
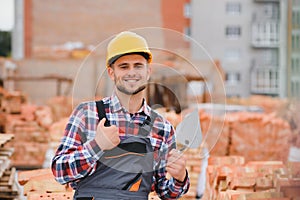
107	137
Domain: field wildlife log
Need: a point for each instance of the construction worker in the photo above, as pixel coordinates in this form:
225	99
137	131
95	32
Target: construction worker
119	148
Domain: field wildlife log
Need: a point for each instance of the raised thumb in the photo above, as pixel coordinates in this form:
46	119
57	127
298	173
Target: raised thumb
102	121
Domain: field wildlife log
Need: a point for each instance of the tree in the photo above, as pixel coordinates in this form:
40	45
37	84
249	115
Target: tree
5	43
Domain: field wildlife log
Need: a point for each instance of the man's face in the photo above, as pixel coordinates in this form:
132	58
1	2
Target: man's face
130	73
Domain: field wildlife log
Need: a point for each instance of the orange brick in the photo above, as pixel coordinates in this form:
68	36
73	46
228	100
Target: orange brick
242	182
43	183
226	160
263	183
294	169
289	187
50	196
24	176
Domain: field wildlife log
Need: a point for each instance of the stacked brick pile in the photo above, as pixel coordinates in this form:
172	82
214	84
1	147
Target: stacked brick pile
256	136
259	136
61	52
11	101
57	130
61	107
194	159
244	136
29	126
269	104
8	189
216	132
229	178
291	113
40	185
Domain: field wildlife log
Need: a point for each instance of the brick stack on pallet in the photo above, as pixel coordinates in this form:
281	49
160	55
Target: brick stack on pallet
229	178
8	188
40	184
194	161
254	136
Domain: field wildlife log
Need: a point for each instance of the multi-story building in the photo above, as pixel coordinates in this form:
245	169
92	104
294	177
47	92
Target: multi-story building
256	41
46	23
45	31
249	38
293	56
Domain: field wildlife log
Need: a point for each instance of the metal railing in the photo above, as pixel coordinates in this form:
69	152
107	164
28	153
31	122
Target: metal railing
265	80
265	34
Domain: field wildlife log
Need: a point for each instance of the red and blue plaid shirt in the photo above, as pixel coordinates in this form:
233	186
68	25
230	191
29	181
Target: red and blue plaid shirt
74	160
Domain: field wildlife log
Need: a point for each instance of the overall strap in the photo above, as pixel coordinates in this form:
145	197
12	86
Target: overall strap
101	112
147	125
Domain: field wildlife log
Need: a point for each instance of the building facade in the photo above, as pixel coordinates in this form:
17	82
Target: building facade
249	38
256	41
293	56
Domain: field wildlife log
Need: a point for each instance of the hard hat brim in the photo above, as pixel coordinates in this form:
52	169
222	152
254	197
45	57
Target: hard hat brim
146	55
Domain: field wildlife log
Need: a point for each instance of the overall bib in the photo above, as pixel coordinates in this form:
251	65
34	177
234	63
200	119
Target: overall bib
124	172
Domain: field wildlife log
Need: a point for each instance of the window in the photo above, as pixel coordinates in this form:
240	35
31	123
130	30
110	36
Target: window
271	11
296	17
295	40
233	8
295	88
187	32
265	80
232	54
187	10
295	65
233	32
296	2
270	57
233	78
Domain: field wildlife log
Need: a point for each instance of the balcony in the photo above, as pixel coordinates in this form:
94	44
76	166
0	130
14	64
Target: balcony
265	80
265	34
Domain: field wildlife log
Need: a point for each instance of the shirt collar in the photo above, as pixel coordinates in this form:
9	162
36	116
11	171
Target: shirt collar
116	106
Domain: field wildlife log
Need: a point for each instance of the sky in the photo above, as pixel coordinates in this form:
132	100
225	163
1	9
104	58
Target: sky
6	15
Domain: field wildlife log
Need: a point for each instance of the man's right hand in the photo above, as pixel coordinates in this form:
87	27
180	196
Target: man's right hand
107	137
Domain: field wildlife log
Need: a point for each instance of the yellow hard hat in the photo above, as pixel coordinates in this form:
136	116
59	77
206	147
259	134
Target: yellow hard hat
127	43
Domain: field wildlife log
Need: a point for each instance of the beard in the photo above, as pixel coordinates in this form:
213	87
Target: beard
128	92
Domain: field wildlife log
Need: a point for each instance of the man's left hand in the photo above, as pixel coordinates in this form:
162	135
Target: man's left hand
176	165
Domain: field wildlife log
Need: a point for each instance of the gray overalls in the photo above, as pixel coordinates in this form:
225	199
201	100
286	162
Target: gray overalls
125	172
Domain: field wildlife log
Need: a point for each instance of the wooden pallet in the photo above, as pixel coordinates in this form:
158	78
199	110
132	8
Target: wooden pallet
6	151
4	164
4	138
8	189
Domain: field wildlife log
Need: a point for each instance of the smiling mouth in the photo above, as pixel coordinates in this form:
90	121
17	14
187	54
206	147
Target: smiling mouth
131	80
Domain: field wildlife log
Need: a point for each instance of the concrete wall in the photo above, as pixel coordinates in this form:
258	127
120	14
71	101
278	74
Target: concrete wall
90	21
209	21
52	23
89	79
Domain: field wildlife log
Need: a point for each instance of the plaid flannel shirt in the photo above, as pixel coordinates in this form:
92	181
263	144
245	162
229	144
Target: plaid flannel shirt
74	160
